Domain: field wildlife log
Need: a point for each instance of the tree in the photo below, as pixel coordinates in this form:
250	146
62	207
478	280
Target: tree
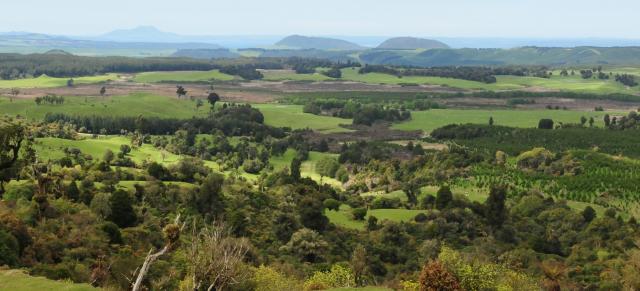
73	193
295	168
122	212
359	264
491	121
108	156
180	91
209	198
103	91
607	120
331	204
496	211
312	214
545	123
307	244
125	149
11	137
172	237
443	197
212	99
583	120
435	277
588	214
70	82
14	93
359	213
591	121
333	73
412	190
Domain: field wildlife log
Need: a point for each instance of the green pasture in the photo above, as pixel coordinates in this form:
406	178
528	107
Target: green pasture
280	115
286	75
308	167
343	216
130	105
435	118
182	76
18	280
45	81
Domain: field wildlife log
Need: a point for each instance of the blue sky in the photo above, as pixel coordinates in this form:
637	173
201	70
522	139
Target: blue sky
455	18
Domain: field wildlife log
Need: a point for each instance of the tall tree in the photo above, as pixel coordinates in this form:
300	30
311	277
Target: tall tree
122	212
103	91
181	91
11	137
212	99
444	197
496	211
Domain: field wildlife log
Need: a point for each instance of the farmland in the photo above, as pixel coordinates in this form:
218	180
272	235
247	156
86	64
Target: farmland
45	81
435	118
282	115
19	281
182	76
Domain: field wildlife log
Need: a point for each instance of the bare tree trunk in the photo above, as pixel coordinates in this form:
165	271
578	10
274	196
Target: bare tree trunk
147	264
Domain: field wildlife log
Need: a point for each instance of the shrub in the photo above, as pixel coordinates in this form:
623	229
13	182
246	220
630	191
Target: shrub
359	213
435	277
545	123
421	217
331	204
337	277
268	279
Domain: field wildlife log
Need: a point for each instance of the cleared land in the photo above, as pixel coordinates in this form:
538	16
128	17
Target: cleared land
435	118
17	280
182	76
344	218
130	105
279	115
45	81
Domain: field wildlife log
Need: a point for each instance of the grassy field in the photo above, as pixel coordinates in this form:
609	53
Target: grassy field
53	148
570	83
279	115
17	280
285	75
45	81
308	167
432	119
182	76
131	105
344	218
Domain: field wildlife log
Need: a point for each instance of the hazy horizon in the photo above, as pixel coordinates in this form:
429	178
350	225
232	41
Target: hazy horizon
543	19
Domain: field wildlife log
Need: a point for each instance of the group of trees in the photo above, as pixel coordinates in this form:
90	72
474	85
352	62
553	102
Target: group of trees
363	114
479	74
49	99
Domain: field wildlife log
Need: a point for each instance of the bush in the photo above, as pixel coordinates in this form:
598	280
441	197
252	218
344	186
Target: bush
337	277
359	213
545	123
268	279
331	204
435	276
421	217
9	249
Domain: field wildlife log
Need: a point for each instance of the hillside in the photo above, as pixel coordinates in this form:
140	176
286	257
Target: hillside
411	43
323	43
516	56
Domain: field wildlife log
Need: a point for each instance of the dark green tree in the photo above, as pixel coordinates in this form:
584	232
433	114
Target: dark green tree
588	214
122	212
212	99
210	199
181	91
295	168
311	214
491	121
444	197
73	193
545	123
495	210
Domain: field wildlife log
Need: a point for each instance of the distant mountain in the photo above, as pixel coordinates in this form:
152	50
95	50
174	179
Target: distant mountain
58	52
206	54
150	34
499	57
411	43
322	43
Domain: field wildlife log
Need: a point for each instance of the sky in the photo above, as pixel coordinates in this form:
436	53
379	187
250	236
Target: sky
444	18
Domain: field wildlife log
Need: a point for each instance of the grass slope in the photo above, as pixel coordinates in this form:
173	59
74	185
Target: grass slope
432	119
292	116
182	76
17	280
344	218
45	81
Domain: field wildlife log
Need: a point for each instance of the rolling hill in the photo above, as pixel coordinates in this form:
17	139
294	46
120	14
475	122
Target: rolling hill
323	43
517	56
411	43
